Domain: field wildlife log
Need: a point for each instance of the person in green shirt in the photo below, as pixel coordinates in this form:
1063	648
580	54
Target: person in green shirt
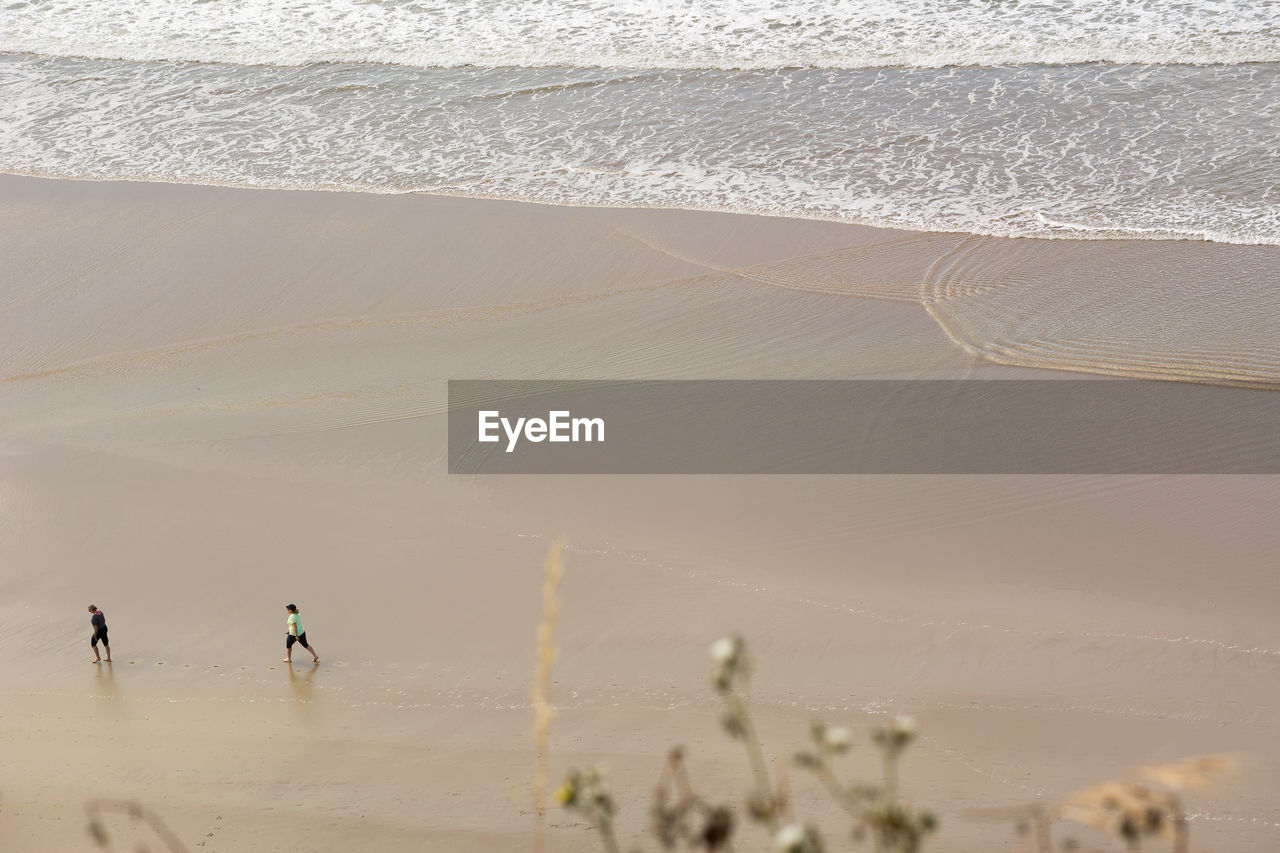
296	634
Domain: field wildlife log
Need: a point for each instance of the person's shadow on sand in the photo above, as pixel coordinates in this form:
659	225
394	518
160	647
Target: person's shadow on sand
106	679
301	684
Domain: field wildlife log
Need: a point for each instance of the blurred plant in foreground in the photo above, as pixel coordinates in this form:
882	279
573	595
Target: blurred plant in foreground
586	794
1132	812
543	712
681	817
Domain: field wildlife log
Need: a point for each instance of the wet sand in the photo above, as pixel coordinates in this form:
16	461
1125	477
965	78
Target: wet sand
214	402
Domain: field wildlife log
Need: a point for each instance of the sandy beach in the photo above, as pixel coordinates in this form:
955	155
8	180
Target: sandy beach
218	401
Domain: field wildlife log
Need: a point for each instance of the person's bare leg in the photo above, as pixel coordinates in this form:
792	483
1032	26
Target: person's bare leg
315	658
97	658
108	650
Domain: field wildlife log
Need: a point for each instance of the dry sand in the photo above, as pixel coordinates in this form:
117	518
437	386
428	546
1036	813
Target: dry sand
214	402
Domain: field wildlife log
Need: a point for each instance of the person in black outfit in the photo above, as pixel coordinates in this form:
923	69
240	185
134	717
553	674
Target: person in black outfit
99	622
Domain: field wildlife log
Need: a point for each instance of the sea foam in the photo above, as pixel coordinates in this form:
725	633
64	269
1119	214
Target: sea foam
711	34
1096	151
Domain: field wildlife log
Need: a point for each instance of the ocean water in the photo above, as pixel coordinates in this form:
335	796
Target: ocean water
1005	117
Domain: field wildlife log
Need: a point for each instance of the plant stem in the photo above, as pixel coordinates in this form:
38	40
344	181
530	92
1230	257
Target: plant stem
832	784
890	777
1181	837
889	792
607	839
764	790
1044	843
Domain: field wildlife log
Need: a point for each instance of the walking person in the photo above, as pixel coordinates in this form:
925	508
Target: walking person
99	622
296	634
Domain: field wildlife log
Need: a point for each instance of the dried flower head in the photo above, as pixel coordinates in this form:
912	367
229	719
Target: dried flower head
585	792
729	656
896	736
836	739
717	828
898	827
567	794
1123	809
724	650
796	838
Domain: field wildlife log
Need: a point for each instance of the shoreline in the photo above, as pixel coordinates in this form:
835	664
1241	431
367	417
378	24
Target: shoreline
1070	233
